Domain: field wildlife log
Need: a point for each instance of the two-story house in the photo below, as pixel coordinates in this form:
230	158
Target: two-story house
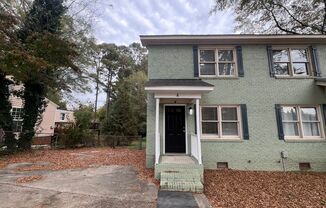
51	118
246	102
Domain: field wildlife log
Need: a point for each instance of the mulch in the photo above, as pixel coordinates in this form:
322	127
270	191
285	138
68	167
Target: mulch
231	188
81	158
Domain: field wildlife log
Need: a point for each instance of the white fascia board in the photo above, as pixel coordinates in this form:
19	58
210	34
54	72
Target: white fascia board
178	95
179	88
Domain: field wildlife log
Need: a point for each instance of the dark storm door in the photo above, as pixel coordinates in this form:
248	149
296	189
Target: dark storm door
175	136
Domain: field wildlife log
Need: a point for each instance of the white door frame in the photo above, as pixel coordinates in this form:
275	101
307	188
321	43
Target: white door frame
186	127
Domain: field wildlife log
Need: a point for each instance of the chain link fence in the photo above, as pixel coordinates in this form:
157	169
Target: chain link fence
71	139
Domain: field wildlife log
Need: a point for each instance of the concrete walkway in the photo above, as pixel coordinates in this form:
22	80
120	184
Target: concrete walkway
105	186
174	199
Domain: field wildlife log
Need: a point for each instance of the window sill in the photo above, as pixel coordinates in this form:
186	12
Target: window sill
221	139
303	140
208	78
294	77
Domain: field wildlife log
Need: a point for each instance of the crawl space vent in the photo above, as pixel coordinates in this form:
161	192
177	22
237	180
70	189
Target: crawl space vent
304	166
222	165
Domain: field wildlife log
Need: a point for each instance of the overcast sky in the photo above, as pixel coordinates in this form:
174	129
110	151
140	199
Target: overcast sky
125	20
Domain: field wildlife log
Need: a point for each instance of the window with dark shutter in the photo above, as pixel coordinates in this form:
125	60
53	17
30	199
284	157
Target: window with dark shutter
195	54
270	60
278	111
195	118
221	122
301	121
240	61
244	116
315	61
219	62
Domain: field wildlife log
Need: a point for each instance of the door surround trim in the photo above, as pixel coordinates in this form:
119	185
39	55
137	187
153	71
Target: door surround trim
186	127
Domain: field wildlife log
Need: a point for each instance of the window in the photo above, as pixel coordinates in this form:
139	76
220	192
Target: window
291	62
62	116
301	121
220	121
17	113
17	117
217	62
17	126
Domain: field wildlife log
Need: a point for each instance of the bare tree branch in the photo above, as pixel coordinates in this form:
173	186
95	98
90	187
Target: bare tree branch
276	21
296	19
324	21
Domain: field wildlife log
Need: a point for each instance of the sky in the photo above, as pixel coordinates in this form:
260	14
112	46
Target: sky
122	21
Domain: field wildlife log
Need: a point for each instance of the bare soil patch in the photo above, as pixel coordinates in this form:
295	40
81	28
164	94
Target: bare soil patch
81	158
230	188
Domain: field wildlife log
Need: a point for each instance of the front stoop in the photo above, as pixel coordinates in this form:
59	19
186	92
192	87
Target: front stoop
180	177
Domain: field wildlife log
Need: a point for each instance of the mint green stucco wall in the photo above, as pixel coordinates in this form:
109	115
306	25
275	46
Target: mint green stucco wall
260	92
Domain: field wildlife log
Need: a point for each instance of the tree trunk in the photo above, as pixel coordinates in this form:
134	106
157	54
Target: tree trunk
34	102
96	94
6	122
108	95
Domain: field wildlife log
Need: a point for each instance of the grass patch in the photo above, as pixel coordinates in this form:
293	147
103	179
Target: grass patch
136	144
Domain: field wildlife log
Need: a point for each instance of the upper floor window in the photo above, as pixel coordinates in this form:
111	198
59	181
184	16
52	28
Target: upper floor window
17	113
62	116
220	121
301	121
217	62
17	117
291	62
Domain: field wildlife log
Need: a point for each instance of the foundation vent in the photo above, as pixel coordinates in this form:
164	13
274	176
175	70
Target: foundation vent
304	166
222	165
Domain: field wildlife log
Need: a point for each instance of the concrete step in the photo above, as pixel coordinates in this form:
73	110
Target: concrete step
196	187
180	175
184	168
181	181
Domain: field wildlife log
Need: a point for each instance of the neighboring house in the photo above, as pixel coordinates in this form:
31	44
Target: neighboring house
63	117
51	117
246	102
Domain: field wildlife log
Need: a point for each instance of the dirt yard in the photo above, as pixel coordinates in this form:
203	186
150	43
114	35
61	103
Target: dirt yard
229	188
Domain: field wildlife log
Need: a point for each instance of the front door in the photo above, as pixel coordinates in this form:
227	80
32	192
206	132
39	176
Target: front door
175	131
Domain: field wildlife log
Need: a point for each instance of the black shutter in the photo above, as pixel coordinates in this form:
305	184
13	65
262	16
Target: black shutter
278	110
323	106
270	60
195	52
244	117
240	61
315	61
195	117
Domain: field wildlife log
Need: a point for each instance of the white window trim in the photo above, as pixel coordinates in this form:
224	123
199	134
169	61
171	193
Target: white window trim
220	135
301	136
216	62
290	62
15	119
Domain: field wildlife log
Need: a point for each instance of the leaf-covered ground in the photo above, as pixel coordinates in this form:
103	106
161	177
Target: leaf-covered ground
226	188
230	188
80	158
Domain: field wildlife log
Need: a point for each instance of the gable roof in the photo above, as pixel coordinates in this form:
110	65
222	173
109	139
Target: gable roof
243	39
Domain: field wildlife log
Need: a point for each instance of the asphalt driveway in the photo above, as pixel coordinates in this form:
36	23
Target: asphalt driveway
104	186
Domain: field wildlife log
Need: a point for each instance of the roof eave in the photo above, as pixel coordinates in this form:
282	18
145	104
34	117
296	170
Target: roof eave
231	39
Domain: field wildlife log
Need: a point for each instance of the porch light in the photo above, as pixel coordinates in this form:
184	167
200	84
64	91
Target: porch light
191	111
